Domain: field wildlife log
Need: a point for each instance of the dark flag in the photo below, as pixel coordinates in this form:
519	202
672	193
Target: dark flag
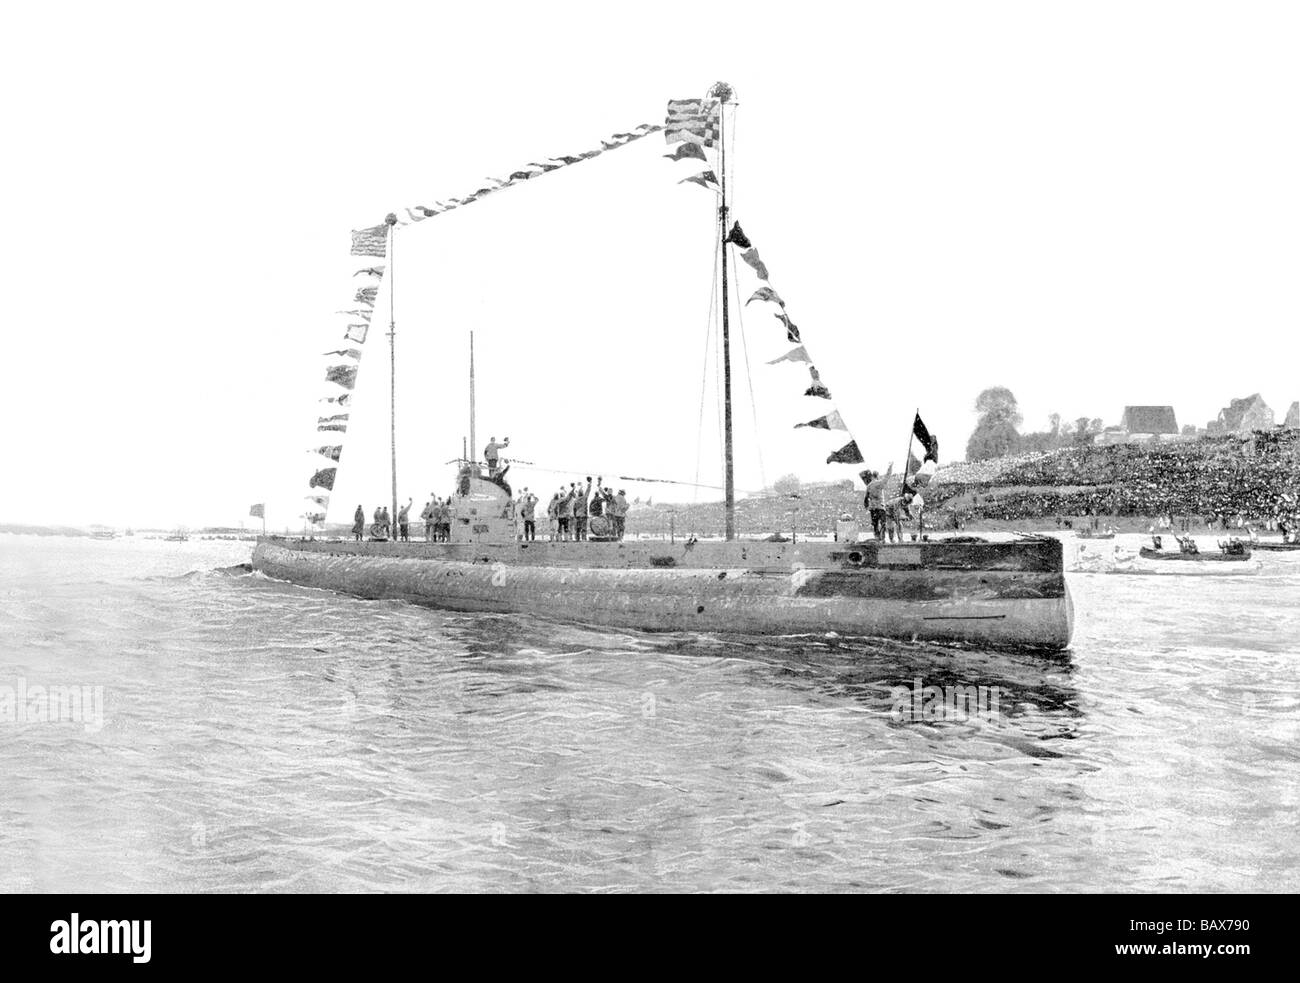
332	451
737	235
333	427
687	150
324	478
932	452
344	375
920	431
371	271
544	167
848	454
816	389
522	175
370	242
568	160
791	330
259	511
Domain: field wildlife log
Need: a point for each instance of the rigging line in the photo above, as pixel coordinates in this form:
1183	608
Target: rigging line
730	137
749	379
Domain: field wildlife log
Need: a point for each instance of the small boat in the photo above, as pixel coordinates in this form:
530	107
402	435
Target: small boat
1219	556
103	534
179	536
1096	534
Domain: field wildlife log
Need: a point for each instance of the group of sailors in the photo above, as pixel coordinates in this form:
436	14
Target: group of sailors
571	510
383	526
905	506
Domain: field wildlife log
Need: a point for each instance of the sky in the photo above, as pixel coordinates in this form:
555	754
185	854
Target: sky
1091	204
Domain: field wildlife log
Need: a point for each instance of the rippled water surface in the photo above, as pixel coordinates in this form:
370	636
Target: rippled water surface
257	736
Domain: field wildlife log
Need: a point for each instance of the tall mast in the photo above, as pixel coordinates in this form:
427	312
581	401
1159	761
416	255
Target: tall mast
473	438
722	92
392	352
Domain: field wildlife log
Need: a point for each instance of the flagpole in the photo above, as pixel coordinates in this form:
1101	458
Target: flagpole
473	435
722	91
907	458
392	353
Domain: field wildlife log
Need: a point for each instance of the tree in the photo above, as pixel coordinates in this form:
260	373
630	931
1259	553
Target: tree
788	484
996	433
1055	421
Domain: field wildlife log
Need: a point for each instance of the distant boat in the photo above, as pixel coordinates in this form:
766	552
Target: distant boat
1096	534
179	536
103	534
1218	556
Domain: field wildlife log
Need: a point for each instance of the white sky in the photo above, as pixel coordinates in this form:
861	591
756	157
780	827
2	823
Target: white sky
1092	204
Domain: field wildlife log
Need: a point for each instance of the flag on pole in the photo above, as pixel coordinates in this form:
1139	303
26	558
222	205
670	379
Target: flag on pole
817	388
848	454
799	354
258	510
370	242
324	478
831	421
920	431
765	293
705	179
791	329
737	235
687	150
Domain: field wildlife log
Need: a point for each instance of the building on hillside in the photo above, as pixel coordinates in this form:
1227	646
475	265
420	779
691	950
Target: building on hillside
1243	415
1142	423
1292	421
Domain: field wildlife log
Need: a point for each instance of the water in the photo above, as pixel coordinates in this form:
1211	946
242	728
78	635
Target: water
257	736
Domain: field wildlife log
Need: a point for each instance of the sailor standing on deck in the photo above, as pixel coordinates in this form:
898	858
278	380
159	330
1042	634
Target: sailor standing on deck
492	454
553	515
404	520
359	523
427	515
580	512
874	501
564	511
618	509
528	509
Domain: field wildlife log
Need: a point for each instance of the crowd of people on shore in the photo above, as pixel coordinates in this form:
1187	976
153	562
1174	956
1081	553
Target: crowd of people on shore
1224	482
